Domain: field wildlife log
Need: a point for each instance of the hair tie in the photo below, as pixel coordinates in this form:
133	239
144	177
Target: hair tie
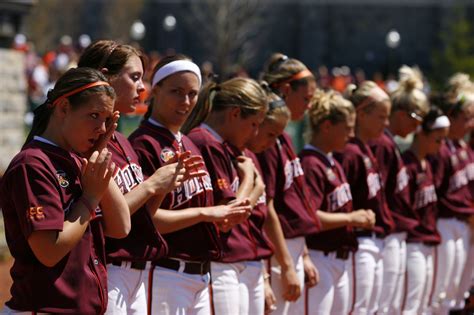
174	67
80	89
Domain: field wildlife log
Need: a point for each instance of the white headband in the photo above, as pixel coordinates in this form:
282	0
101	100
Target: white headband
440	122
176	66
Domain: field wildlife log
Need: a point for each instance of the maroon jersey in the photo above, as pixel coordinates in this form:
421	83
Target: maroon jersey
329	192
238	244
143	242
466	151
38	189
258	217
285	184
451	182
363	176
394	180
423	199
155	145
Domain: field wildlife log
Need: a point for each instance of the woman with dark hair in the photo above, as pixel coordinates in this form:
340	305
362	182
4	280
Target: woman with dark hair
58	206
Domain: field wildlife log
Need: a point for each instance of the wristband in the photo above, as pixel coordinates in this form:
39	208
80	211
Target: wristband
88	206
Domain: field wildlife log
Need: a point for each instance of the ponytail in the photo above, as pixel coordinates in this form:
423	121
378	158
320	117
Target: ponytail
203	107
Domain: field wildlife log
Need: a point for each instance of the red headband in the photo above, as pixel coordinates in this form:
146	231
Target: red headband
300	75
80	89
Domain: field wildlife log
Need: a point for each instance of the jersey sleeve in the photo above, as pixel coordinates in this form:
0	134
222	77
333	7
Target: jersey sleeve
269	164
352	164
35	196
218	166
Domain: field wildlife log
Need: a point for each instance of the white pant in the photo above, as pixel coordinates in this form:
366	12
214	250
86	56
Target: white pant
467	278
419	279
179	293
394	264
451	257
128	289
295	247
366	275
331	295
238	288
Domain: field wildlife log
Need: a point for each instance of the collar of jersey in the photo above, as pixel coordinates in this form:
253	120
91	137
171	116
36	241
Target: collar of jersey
178	135
44	140
328	157
213	132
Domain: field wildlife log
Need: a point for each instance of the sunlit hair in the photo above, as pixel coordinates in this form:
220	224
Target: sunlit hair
277	108
328	105
409	95
362	96
243	93
458	96
280	69
110	55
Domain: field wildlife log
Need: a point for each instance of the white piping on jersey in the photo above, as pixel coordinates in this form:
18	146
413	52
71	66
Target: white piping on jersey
328	156
213	132
44	140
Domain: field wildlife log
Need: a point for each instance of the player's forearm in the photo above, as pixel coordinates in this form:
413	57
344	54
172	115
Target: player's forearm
117	223
139	196
167	221
331	221
273	229
245	188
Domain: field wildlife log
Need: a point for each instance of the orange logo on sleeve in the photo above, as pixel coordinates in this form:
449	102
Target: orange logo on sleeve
222	183
35	213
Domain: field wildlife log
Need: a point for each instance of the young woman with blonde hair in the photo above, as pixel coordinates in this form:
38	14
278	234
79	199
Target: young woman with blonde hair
372	106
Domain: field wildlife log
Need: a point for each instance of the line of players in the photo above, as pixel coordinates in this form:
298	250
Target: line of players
225	218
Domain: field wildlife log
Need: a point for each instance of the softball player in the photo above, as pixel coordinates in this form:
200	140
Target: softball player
129	258
234	110
455	206
50	197
363	174
422	238
332	120
284	178
409	104
179	283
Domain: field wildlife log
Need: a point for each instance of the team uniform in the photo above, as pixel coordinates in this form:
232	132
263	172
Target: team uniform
129	258
329	250
395	182
285	184
455	207
178	284
237	279
421	239
467	278
38	189
363	177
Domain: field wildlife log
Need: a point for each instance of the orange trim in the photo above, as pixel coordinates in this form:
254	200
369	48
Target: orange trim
211	295
300	75
80	89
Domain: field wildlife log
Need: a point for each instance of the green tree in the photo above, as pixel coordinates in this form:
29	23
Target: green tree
457	51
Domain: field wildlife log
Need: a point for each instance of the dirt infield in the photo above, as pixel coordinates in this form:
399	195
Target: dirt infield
5	280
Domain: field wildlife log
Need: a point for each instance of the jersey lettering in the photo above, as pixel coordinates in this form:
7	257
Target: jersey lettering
339	197
458	180
402	180
292	169
425	196
189	189
373	183
125	179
